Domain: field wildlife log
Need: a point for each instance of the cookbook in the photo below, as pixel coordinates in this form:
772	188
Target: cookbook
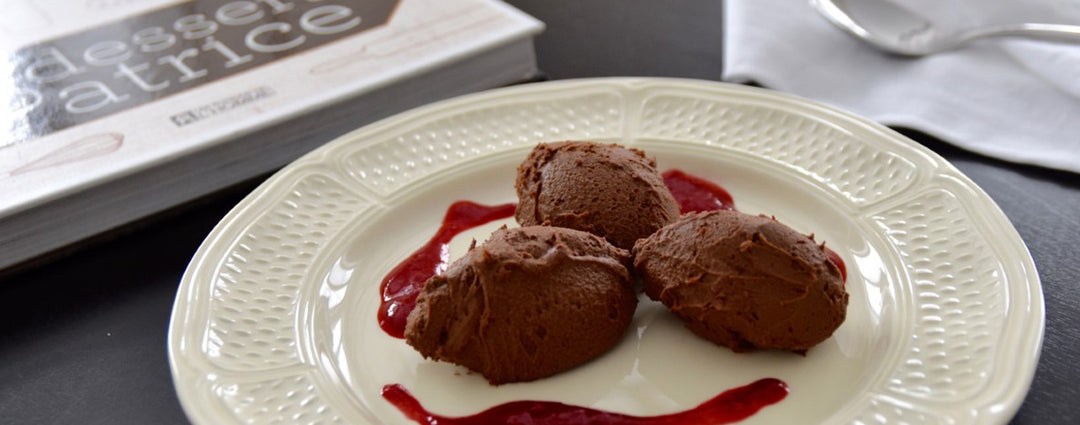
115	110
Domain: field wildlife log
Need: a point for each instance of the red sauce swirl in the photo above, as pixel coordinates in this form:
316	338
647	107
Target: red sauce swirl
729	406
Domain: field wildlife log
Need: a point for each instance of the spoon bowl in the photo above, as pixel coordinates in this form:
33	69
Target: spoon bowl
895	29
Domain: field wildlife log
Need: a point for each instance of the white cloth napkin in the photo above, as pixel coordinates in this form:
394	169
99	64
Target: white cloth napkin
1017	100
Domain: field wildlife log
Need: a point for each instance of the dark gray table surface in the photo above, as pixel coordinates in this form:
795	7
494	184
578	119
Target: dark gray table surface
84	335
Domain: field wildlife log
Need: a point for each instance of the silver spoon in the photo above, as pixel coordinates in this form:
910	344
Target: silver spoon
894	29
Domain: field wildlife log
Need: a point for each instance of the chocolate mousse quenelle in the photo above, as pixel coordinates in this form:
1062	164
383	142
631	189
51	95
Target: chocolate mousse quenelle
606	190
744	281
528	303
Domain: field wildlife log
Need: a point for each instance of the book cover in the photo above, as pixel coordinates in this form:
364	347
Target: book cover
101	91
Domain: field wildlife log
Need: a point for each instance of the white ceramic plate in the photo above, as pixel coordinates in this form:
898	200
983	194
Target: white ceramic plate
275	322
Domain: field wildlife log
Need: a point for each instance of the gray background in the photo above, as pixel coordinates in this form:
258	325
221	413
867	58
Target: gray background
84	336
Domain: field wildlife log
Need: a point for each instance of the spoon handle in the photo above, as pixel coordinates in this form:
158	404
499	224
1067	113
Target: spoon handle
1051	32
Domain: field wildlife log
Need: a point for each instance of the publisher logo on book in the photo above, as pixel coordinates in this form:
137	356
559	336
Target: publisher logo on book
117	66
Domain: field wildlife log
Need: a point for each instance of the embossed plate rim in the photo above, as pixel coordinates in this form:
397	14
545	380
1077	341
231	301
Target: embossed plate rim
190	368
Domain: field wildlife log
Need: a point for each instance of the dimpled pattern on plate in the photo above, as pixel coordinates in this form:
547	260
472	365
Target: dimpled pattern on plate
860	172
959	296
466	135
292	400
883	412
256	289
